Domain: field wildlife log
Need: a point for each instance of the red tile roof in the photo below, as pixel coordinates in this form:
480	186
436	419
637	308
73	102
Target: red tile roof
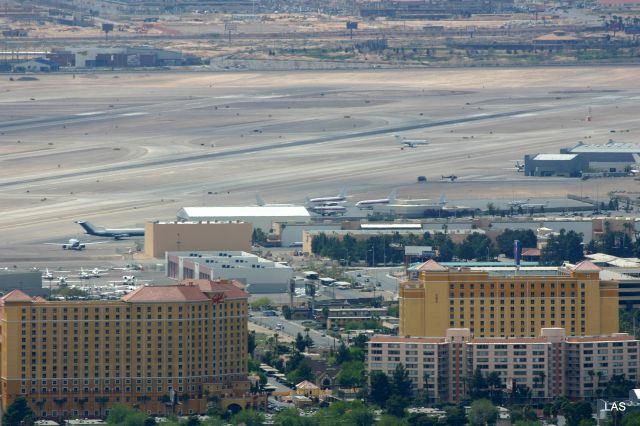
393	339
431	266
16	296
531	252
586	266
171	293
188	291
231	288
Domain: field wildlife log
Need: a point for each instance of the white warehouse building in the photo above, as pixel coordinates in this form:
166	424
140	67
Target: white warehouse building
258	274
260	216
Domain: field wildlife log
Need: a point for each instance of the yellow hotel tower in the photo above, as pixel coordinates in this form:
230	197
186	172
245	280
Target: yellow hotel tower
162	349
508	301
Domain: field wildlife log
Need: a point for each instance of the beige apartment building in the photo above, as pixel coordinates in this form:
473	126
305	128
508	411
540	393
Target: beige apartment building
162	349
508	301
163	237
550	365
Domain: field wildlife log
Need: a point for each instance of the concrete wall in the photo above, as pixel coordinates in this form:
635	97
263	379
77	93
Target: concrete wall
206	236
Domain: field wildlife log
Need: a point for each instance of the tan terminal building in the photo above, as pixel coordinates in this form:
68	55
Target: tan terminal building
508	301
162	237
162	349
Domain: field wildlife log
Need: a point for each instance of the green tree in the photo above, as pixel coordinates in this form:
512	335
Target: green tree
300	343
258	236
192	421
401	383
482	413
476	246
618	386
18	413
351	375
444	246
118	414
566	246
251	342
248	418
505	240
388	420
379	388
456	416
478	385
261	302
577	411
396	405
150	421
631	418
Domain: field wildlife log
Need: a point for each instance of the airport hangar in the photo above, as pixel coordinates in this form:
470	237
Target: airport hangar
612	157
258	274
261	217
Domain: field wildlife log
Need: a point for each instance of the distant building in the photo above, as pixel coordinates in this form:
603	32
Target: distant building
35	65
162	237
619	4
612	158
116	56
164	349
339	317
550	365
27	281
508	301
429	9
258	274
261	217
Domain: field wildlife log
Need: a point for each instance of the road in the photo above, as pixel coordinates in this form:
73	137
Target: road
292	328
382	276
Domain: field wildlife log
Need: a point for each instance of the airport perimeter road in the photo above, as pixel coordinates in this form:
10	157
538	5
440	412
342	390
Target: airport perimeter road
292	328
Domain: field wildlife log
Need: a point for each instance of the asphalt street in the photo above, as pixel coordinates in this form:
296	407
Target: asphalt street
292	328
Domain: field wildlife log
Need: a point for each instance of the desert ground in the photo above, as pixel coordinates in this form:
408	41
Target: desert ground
120	149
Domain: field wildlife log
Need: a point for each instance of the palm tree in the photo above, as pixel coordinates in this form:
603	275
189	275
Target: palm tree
599	374
426	378
541	376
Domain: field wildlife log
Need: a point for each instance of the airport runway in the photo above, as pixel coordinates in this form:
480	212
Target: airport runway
121	151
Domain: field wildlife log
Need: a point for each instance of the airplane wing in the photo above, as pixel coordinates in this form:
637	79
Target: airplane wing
57	244
95	242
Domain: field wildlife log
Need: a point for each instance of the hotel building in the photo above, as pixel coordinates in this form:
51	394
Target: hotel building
508	301
161	349
550	365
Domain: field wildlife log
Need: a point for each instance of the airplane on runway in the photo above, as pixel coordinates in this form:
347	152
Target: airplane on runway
410	143
75	244
88	274
452	178
128	280
518	167
368	204
110	232
326	210
518	203
47	275
342	196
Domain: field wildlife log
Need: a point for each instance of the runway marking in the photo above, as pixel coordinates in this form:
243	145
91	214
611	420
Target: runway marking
270	147
84	114
133	114
528	114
